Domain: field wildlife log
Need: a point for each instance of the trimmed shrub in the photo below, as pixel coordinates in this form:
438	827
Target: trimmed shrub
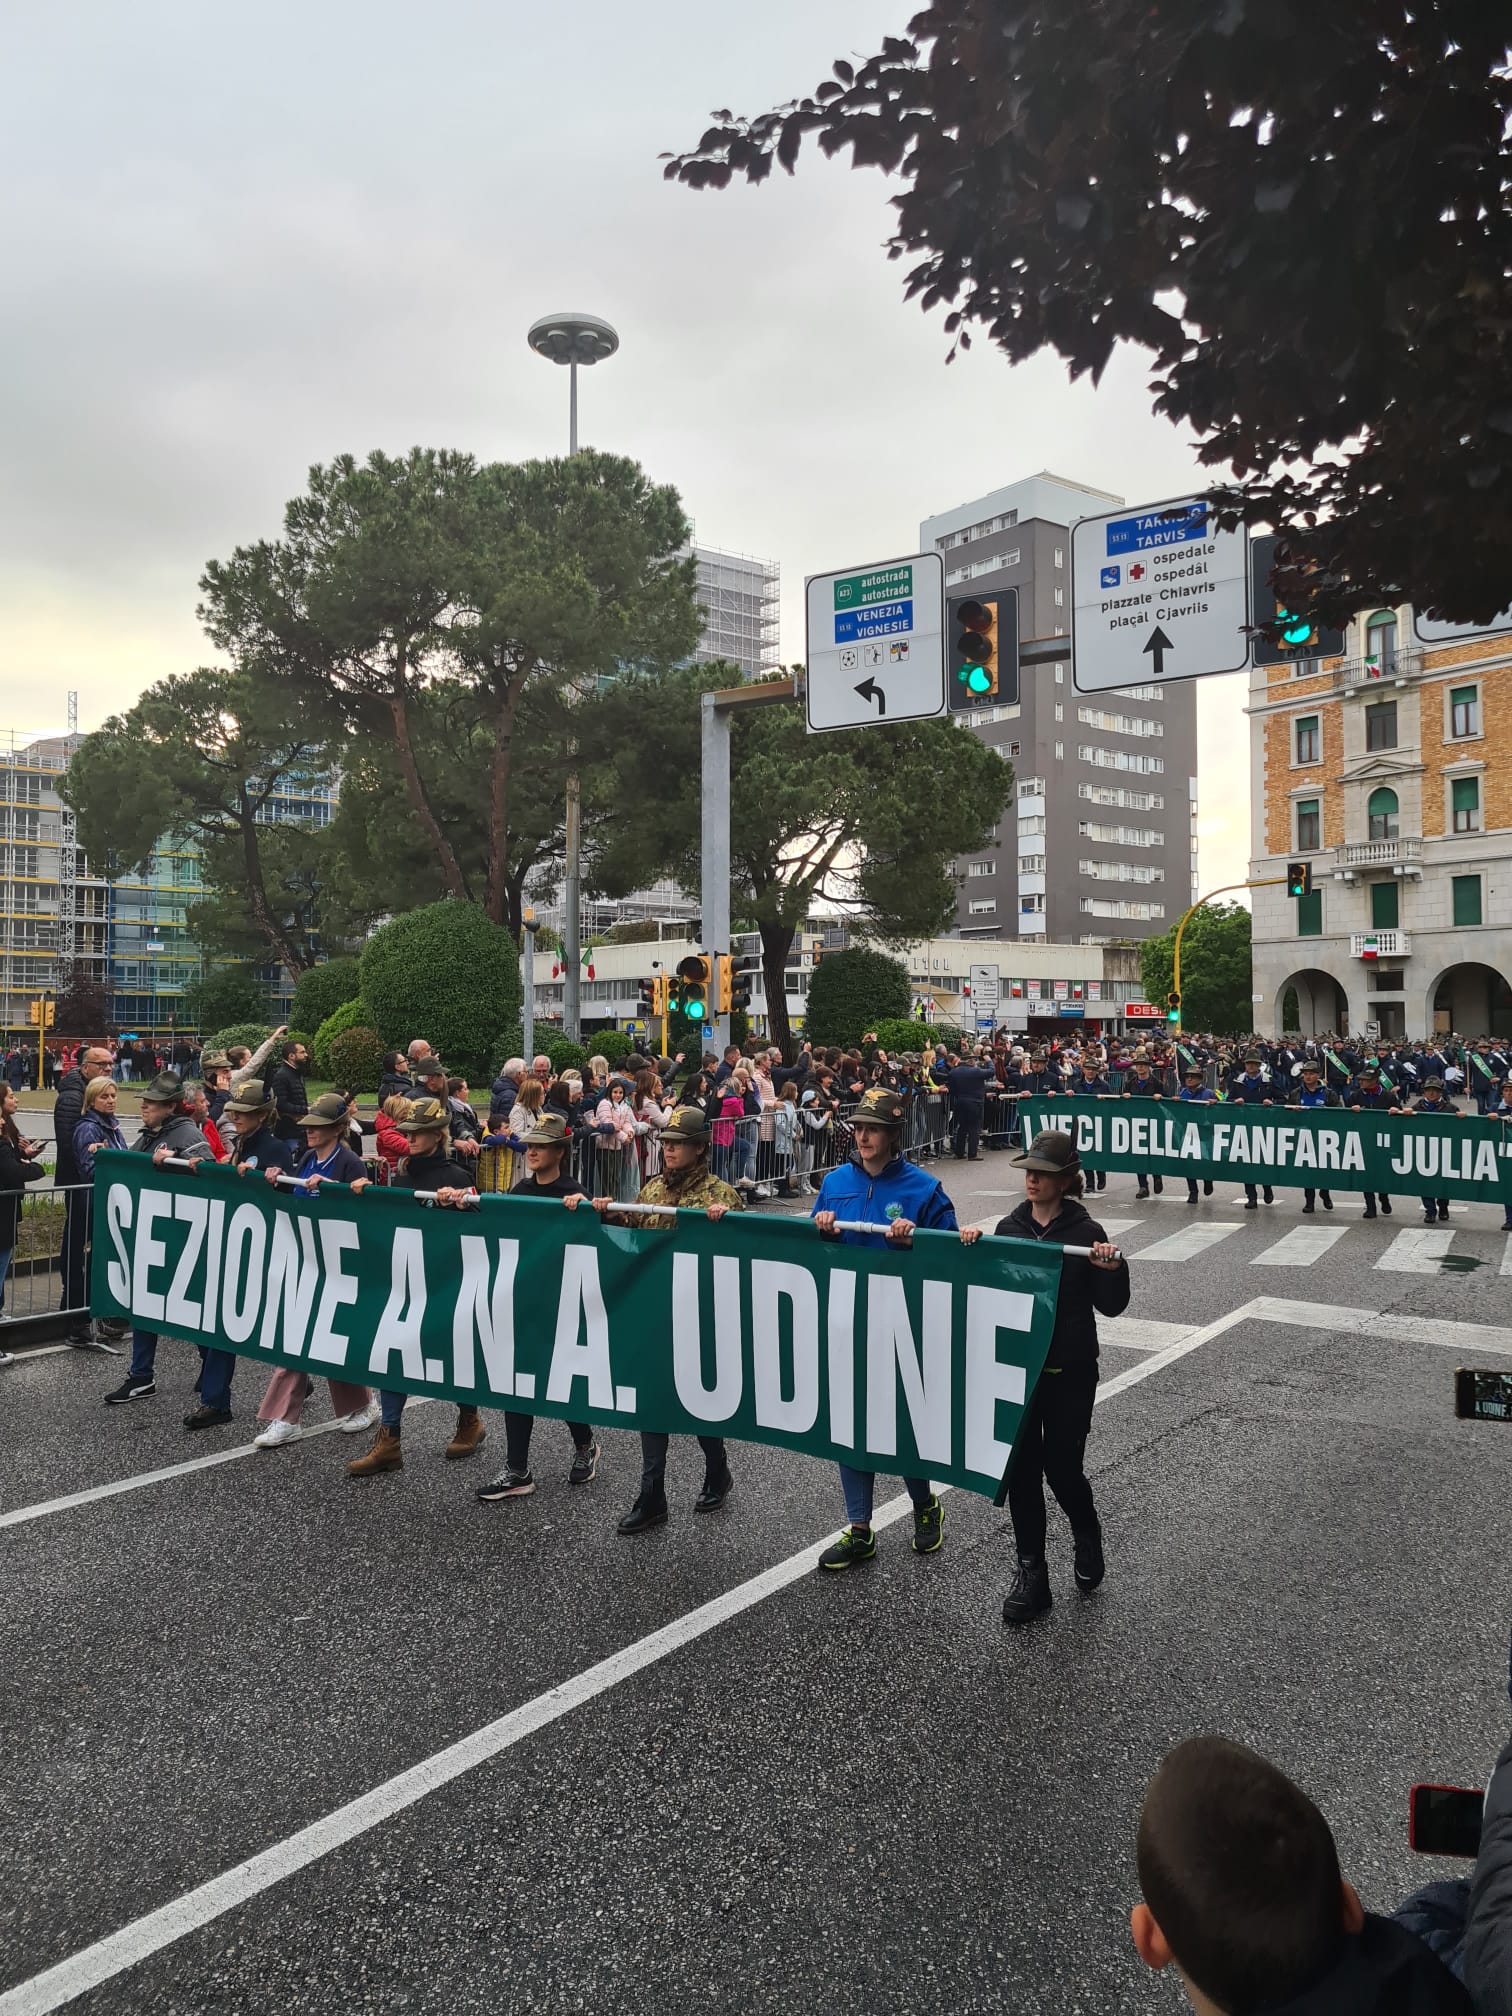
565	1055
356	1059
252	1034
852	991
904	1033
351	1015
321	990
448	974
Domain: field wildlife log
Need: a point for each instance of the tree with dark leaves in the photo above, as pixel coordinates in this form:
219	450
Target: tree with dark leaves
1300	211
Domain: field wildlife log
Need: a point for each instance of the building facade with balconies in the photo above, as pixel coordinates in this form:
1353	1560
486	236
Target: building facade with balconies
1382	769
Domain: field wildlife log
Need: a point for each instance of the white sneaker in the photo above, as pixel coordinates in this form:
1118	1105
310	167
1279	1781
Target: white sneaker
365	1417
276	1434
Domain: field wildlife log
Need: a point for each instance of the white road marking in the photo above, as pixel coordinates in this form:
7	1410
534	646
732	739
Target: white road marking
1141	1333
1303	1246
1506	1265
1417	1250
1188	1243
1437	1330
23	1514
138	1941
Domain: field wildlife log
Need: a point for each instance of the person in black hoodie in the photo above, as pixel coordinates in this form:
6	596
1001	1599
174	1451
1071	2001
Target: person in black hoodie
1052	1439
430	1165
1243	1895
546	1151
1144	1085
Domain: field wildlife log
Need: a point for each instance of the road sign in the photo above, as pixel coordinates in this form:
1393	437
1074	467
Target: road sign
1431	631
1158	593
876	644
985	986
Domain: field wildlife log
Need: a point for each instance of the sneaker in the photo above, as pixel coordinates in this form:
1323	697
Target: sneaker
7	1357
365	1417
929	1527
132	1389
1029	1593
206	1417
1088	1564
508	1484
855	1545
276	1434
585	1462
763	1190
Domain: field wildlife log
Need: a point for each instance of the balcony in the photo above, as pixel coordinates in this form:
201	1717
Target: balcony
1380	945
1359	674
1379	853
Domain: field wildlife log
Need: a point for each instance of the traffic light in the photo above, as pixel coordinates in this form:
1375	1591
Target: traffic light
1298	637
982	633
648	1006
736	973
1299	878
693	990
1173	1007
40	1014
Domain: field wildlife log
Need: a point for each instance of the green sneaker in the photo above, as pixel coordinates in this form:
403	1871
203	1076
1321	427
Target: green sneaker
855	1545
929	1527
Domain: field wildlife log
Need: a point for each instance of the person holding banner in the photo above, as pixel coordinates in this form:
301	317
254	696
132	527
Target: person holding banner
546	1148
1093	1085
879	1185
1051	1444
1435	1209
1144	1085
1366	1096
1194	1091
1252	1088
686	1183
428	1166
1313	1092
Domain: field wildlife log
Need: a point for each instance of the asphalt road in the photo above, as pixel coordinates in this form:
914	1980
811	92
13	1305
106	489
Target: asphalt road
855	1793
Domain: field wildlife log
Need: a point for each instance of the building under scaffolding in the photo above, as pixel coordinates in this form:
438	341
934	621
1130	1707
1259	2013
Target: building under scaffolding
739	597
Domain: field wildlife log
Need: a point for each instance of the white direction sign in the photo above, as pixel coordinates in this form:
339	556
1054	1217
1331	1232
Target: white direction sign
984	986
876	643
1158	593
1431	631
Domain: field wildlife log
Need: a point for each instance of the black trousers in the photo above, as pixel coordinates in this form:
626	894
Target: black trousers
77	1227
1051	1446
517	1429
966	1128
654	1459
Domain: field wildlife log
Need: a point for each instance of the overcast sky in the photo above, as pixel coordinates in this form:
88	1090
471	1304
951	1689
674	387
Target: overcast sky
239	241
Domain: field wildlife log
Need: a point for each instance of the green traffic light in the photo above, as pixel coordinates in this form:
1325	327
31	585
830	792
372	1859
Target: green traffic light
693	1008
1293	631
978	679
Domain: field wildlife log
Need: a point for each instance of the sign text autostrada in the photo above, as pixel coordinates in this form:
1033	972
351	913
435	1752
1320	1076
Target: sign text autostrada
876	643
1158	592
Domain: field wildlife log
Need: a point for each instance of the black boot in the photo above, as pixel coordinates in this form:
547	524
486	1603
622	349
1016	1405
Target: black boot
1088	1559
1029	1595
650	1509
1160	1186
717	1486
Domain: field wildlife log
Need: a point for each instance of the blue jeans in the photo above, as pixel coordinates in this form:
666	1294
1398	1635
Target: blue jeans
391	1407
859	1486
144	1345
214	1382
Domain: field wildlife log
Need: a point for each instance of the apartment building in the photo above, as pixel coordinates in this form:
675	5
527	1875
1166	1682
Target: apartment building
1099	843
1379	768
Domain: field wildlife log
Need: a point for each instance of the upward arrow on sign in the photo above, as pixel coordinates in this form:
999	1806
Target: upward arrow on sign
1158	646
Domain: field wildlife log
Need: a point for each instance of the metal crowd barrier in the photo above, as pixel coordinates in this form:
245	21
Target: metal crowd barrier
49	1264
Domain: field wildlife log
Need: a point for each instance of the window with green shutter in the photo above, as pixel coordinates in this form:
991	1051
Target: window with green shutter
1309	740
1465	797
1309	825
1381	812
1383	905
1464	710
1467	899
1310	915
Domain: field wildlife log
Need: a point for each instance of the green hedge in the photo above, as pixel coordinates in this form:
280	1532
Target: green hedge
351	1015
565	1055
321	990
253	1034
902	1033
852	991
448	974
356	1059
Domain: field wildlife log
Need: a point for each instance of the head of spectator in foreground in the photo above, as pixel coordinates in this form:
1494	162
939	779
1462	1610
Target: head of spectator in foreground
1240	1880
418	1049
541	1068
194	1104
237	1055
95	1062
100	1096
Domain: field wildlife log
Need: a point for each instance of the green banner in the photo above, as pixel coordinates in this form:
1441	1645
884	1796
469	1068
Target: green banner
1314	1147
917	1361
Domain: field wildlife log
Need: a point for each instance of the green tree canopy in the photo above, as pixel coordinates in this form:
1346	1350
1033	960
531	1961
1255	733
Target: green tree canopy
867	821
449	974
1215	970
321	990
202	755
1301	214
223	994
852	991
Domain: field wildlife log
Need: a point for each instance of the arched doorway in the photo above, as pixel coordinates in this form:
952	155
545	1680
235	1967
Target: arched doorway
1472	999
1318	1002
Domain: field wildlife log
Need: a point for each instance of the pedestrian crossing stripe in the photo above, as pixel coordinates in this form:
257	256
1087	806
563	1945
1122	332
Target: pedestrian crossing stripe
1414	1249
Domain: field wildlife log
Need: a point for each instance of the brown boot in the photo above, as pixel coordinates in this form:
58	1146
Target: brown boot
387	1453
469	1436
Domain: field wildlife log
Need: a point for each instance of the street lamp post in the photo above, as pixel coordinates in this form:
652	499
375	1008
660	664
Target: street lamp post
572	339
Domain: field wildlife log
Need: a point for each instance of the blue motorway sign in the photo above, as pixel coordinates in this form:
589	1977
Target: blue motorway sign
1149	529
882	619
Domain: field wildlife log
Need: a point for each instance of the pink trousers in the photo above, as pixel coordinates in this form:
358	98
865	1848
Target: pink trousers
284	1400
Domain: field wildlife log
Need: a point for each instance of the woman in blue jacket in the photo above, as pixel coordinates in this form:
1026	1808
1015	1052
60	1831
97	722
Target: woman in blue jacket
878	1186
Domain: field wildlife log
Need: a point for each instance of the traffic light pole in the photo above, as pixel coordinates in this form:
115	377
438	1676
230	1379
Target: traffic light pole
1268	882
714	895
